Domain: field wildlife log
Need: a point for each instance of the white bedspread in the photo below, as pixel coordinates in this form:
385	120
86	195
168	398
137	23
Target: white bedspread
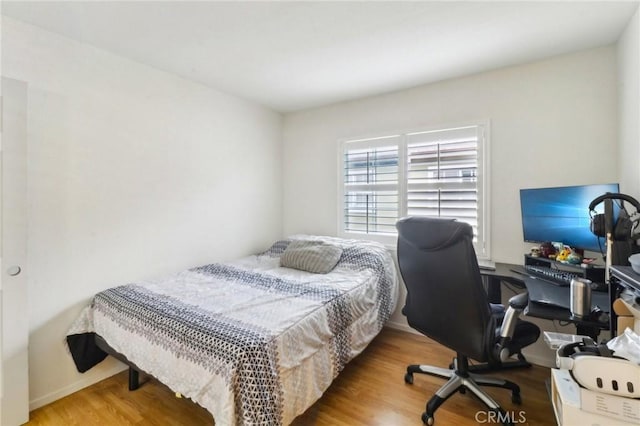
252	342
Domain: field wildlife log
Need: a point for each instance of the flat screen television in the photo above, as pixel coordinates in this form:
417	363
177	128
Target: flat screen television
561	214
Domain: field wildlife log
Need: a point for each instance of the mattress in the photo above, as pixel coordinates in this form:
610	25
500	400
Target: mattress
252	342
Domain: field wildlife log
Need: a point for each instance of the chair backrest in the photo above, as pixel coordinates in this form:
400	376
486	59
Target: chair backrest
446	299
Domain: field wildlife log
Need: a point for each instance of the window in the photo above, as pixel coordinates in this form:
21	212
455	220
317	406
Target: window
371	181
438	173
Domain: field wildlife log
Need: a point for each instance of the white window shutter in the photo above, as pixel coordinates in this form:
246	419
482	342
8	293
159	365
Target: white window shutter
371	177
442	174
439	173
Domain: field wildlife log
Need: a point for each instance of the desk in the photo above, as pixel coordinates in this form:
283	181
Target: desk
503	272
625	276
517	275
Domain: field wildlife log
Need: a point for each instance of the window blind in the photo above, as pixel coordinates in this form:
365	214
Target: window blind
442	174
437	173
371	177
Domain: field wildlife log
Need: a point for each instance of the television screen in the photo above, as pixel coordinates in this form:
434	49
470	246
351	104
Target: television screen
561	214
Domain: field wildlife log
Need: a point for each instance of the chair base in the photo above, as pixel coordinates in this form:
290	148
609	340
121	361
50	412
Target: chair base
460	381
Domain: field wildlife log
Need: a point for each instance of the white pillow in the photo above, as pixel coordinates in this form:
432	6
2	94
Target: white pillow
311	256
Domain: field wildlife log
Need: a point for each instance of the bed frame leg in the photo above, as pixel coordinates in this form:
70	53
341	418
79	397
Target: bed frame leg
134	379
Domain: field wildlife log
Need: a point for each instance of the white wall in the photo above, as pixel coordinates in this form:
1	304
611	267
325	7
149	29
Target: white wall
131	169
133	173
629	107
553	123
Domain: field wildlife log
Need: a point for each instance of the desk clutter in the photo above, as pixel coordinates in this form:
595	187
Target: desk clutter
600	384
574	405
561	273
597	384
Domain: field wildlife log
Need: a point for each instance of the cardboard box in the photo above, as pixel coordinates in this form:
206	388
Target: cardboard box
566	397
623	323
627	309
618	407
556	340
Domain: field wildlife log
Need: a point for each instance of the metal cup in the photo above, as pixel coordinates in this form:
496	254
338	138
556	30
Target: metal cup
580	296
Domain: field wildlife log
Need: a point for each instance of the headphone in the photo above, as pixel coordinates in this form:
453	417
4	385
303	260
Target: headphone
621	230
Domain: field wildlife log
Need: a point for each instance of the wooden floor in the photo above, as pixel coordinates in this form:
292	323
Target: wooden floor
370	391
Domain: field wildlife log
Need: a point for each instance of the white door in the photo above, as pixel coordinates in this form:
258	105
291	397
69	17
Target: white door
14	320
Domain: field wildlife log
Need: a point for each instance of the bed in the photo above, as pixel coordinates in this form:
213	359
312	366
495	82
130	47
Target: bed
251	341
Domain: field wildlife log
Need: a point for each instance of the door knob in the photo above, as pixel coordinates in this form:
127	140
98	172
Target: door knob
14	270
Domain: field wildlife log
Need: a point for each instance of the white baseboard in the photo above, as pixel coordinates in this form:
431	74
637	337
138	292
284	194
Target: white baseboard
74	387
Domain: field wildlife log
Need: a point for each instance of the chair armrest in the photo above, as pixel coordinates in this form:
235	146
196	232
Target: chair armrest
516	305
519	301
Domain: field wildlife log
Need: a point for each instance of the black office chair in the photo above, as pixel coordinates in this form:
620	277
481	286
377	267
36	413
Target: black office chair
447	302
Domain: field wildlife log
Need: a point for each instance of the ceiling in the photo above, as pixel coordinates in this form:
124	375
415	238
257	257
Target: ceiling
297	55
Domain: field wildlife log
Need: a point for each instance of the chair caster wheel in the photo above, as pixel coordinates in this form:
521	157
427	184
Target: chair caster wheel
408	378
516	398
427	419
462	390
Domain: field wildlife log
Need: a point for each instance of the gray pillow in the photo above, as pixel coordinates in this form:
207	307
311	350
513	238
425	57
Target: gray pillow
311	256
